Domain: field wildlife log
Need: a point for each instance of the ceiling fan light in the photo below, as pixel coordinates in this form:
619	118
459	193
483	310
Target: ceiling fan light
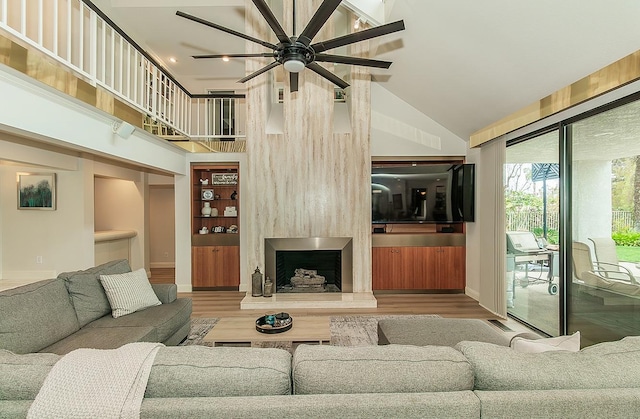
294	66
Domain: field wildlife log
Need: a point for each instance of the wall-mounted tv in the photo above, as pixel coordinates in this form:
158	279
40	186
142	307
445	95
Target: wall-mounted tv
422	192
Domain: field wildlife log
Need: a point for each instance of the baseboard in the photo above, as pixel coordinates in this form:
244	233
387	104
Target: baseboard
162	265
472	293
29	275
184	288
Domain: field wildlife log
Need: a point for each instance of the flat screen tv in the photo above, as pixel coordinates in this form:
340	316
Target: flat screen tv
422	193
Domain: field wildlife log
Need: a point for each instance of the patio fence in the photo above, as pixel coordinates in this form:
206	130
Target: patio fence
529	220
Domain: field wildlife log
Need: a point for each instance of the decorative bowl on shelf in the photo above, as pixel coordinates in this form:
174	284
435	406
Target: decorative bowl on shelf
274	323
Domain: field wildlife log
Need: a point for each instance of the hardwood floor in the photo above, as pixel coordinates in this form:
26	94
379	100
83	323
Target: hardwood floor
227	303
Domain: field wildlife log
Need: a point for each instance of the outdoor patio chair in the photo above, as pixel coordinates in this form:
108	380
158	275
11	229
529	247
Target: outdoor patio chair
593	274
605	251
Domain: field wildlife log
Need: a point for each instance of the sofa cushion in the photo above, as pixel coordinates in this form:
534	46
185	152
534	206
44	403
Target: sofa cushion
321	369
165	318
458	404
437	331
622	403
99	338
200	371
35	315
87	294
605	365
129	292
23	375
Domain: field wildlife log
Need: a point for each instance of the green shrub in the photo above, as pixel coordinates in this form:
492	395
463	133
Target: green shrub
552	234
626	238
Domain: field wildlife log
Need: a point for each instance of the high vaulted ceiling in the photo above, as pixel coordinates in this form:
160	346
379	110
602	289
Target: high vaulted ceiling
463	63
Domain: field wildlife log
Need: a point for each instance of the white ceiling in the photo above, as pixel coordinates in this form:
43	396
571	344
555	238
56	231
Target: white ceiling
463	63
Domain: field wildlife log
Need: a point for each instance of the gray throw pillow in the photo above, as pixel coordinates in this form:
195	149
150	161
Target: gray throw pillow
87	295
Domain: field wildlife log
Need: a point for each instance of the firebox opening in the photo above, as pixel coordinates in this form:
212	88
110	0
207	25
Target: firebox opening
306	268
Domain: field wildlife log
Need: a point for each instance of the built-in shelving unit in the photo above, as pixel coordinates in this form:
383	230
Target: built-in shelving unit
215	244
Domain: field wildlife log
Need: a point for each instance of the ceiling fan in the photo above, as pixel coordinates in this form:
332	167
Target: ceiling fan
297	52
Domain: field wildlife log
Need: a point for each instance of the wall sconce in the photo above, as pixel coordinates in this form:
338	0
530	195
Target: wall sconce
123	129
359	21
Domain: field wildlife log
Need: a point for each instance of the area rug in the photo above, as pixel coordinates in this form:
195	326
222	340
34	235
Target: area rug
200	326
344	330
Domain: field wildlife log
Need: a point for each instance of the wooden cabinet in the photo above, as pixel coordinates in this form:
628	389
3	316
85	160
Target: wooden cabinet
215	250
450	268
418	268
215	266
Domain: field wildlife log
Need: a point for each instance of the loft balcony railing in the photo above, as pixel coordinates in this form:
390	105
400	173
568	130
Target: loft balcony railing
77	36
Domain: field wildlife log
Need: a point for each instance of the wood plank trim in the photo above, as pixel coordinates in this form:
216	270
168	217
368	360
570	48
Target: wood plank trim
613	76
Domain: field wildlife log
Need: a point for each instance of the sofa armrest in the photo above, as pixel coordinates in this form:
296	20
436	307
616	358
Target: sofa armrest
167	293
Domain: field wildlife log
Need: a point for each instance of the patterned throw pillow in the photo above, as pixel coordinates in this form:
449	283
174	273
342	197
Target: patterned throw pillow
129	292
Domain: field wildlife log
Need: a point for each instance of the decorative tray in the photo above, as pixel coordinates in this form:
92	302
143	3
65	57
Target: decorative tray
274	323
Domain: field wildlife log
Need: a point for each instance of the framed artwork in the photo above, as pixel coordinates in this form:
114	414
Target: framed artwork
37	191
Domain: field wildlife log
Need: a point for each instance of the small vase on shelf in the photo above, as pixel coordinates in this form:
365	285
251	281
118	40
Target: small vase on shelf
214	212
206	210
268	288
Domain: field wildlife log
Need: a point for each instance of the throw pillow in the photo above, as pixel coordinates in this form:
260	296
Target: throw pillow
561	343
129	292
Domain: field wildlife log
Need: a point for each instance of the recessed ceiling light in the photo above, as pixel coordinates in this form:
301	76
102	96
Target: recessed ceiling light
225	59
173	60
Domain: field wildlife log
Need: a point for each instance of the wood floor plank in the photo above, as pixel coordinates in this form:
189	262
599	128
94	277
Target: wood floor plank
227	303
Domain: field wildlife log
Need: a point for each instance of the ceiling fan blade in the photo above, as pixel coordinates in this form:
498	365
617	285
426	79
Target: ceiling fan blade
257	73
264	55
293	82
328	75
223	29
358	36
272	21
318	20
340	59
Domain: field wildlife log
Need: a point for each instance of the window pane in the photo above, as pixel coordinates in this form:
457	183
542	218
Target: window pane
532	209
604	297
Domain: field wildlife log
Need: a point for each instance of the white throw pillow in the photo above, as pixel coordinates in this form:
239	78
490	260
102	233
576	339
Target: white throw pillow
129	292
569	343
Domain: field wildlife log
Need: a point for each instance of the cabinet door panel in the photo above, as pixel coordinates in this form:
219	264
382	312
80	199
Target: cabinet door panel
451	271
230	274
426	258
381	272
396	268
215	266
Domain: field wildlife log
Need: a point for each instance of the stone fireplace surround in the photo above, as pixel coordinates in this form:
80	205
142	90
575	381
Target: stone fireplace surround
344	299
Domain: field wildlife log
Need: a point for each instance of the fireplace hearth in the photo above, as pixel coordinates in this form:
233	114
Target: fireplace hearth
310	265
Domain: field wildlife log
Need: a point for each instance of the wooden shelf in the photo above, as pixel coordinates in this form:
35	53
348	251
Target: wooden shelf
215	257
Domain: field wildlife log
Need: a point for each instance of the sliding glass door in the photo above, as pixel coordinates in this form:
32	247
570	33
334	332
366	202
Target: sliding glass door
604	294
531	184
572	196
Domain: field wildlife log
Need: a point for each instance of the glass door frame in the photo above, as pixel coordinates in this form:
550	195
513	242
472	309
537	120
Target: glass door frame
565	236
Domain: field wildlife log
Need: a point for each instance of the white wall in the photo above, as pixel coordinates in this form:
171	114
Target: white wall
398	129
162	235
46	131
37	111
62	238
120	205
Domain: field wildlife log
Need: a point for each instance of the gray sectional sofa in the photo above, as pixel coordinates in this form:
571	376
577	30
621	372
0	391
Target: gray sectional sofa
72	311
472	380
